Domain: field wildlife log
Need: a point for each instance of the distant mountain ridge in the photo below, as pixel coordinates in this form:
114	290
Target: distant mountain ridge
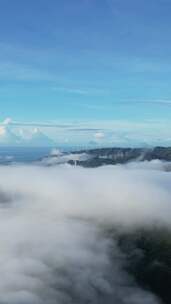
110	156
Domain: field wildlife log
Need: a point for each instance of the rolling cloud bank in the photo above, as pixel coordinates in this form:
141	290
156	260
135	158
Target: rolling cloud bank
61	231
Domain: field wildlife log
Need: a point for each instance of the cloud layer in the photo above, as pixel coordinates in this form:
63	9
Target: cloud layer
97	132
53	222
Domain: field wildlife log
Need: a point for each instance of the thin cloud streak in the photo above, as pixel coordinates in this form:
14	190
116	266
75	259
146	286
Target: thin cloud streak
32	124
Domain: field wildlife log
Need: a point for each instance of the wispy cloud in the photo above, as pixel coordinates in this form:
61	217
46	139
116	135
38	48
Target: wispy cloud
71	90
21	72
34	124
128	102
166	102
161	101
113	132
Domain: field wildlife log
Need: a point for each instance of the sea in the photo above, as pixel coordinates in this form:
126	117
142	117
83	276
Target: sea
23	154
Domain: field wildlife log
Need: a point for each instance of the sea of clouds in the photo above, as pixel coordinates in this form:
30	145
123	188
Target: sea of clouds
54	245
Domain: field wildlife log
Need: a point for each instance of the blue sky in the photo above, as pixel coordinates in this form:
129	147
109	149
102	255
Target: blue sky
87	61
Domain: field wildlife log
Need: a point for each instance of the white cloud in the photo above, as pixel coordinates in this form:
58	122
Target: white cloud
7	121
2	131
99	135
52	223
71	90
110	132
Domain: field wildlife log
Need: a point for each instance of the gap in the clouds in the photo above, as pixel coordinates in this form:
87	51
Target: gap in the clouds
10	154
22	154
